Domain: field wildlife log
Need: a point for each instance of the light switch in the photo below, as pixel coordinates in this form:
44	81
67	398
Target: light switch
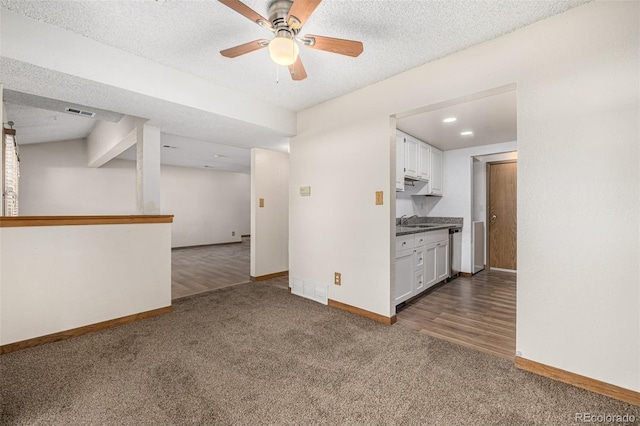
305	191
378	198
261	202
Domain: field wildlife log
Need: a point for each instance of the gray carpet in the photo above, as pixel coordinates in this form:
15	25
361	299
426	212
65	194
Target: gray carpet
254	354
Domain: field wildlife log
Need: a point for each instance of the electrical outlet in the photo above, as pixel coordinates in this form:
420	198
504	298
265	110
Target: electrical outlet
337	278
233	233
261	202
378	198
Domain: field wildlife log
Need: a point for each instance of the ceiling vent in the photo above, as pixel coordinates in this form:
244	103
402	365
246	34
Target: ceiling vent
76	111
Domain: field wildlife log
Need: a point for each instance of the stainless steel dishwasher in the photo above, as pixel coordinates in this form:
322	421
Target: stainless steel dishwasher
455	251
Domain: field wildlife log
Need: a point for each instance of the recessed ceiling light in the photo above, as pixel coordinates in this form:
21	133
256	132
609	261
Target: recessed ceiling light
449	120
219	155
467	133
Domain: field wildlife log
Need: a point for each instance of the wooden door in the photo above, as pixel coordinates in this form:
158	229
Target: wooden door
502	191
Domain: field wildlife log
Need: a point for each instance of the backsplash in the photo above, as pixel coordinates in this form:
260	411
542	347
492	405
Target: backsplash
430	219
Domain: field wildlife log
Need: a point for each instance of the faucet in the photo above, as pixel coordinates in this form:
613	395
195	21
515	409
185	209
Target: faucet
402	217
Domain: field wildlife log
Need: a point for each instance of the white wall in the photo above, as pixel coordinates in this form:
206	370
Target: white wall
578	305
269	224
339	228
55	181
56	278
208	205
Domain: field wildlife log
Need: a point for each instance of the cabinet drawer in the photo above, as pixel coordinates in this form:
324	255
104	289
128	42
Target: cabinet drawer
405	242
436	236
420	239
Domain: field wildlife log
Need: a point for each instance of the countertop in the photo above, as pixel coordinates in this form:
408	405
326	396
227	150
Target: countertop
424	227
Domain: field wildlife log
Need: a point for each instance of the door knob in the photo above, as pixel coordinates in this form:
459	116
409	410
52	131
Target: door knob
493	217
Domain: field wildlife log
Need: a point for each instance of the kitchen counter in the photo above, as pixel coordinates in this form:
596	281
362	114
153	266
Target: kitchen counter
424	227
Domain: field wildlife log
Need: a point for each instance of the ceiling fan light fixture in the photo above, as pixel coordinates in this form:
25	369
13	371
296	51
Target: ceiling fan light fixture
283	50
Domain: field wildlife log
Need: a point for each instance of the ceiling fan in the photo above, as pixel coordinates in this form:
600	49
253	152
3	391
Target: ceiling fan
286	18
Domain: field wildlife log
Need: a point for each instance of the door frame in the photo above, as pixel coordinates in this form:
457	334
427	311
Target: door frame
487	210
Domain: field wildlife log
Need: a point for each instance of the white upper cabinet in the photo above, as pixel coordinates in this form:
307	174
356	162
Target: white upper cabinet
418	161
424	163
399	161
411	157
435	183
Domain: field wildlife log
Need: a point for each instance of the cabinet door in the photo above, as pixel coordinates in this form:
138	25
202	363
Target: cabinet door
405	275
442	260
418	263
419	282
424	163
430	277
399	163
435	182
411	155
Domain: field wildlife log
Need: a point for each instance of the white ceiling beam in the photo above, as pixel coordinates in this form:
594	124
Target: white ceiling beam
108	140
50	47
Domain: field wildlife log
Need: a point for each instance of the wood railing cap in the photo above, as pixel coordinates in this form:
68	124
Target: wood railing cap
18	221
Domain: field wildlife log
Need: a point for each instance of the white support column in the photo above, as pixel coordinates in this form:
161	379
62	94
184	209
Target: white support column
148	169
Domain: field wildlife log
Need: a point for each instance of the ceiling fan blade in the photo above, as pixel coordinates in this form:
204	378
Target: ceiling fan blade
300	12
297	70
334	45
247	12
234	52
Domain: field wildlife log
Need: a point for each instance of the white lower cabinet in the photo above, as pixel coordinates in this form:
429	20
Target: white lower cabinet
422	260
442	260
404	275
430	275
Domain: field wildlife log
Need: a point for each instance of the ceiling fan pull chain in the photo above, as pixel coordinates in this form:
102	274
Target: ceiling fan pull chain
277	74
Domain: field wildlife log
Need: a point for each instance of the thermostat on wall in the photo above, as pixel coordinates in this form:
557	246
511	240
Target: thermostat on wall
305	191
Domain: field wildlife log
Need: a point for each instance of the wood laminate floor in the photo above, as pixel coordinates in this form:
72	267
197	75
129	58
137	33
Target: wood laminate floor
198	269
477	312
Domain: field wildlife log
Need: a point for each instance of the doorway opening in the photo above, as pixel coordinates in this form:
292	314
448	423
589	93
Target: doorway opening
478	309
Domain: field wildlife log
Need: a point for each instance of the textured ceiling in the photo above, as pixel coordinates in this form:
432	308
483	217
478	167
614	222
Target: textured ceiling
36	125
187	36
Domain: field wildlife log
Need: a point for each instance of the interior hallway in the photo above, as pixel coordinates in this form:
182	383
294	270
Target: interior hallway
477	312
